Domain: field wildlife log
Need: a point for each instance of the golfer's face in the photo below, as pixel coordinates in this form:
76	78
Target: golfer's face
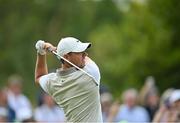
78	58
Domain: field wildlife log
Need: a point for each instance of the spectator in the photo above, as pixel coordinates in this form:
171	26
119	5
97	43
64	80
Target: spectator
149	97
3	114
175	103
3	107
148	86
130	111
113	111
175	99
106	101
103	89
17	100
170	107
152	103
6	112
49	111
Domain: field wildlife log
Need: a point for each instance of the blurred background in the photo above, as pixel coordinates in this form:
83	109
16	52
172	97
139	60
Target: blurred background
131	39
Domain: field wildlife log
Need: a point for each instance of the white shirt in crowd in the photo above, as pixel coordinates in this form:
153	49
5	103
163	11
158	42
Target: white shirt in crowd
21	105
135	114
49	114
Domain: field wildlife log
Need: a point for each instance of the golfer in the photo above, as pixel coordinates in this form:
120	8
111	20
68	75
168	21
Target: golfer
72	89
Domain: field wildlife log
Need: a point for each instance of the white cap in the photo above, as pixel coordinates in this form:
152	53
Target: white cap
175	96
71	44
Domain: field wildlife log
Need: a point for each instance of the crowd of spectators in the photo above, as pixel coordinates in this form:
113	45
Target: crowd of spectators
16	107
145	105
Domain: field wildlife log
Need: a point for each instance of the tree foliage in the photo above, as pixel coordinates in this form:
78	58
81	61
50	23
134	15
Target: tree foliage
127	45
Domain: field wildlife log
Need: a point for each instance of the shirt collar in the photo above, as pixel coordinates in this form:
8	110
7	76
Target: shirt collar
62	72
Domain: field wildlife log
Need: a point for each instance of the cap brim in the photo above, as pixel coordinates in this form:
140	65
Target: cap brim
82	47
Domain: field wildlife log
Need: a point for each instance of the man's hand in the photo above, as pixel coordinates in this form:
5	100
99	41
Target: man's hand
49	47
42	47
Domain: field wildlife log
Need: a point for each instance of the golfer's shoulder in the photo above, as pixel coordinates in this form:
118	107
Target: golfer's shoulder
52	76
91	65
49	76
92	68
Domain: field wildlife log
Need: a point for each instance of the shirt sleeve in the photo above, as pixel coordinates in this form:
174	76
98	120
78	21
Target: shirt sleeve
43	81
92	69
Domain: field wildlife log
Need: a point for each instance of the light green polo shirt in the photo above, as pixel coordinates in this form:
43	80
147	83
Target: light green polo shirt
76	92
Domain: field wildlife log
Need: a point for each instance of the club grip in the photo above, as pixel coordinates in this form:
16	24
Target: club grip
50	49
